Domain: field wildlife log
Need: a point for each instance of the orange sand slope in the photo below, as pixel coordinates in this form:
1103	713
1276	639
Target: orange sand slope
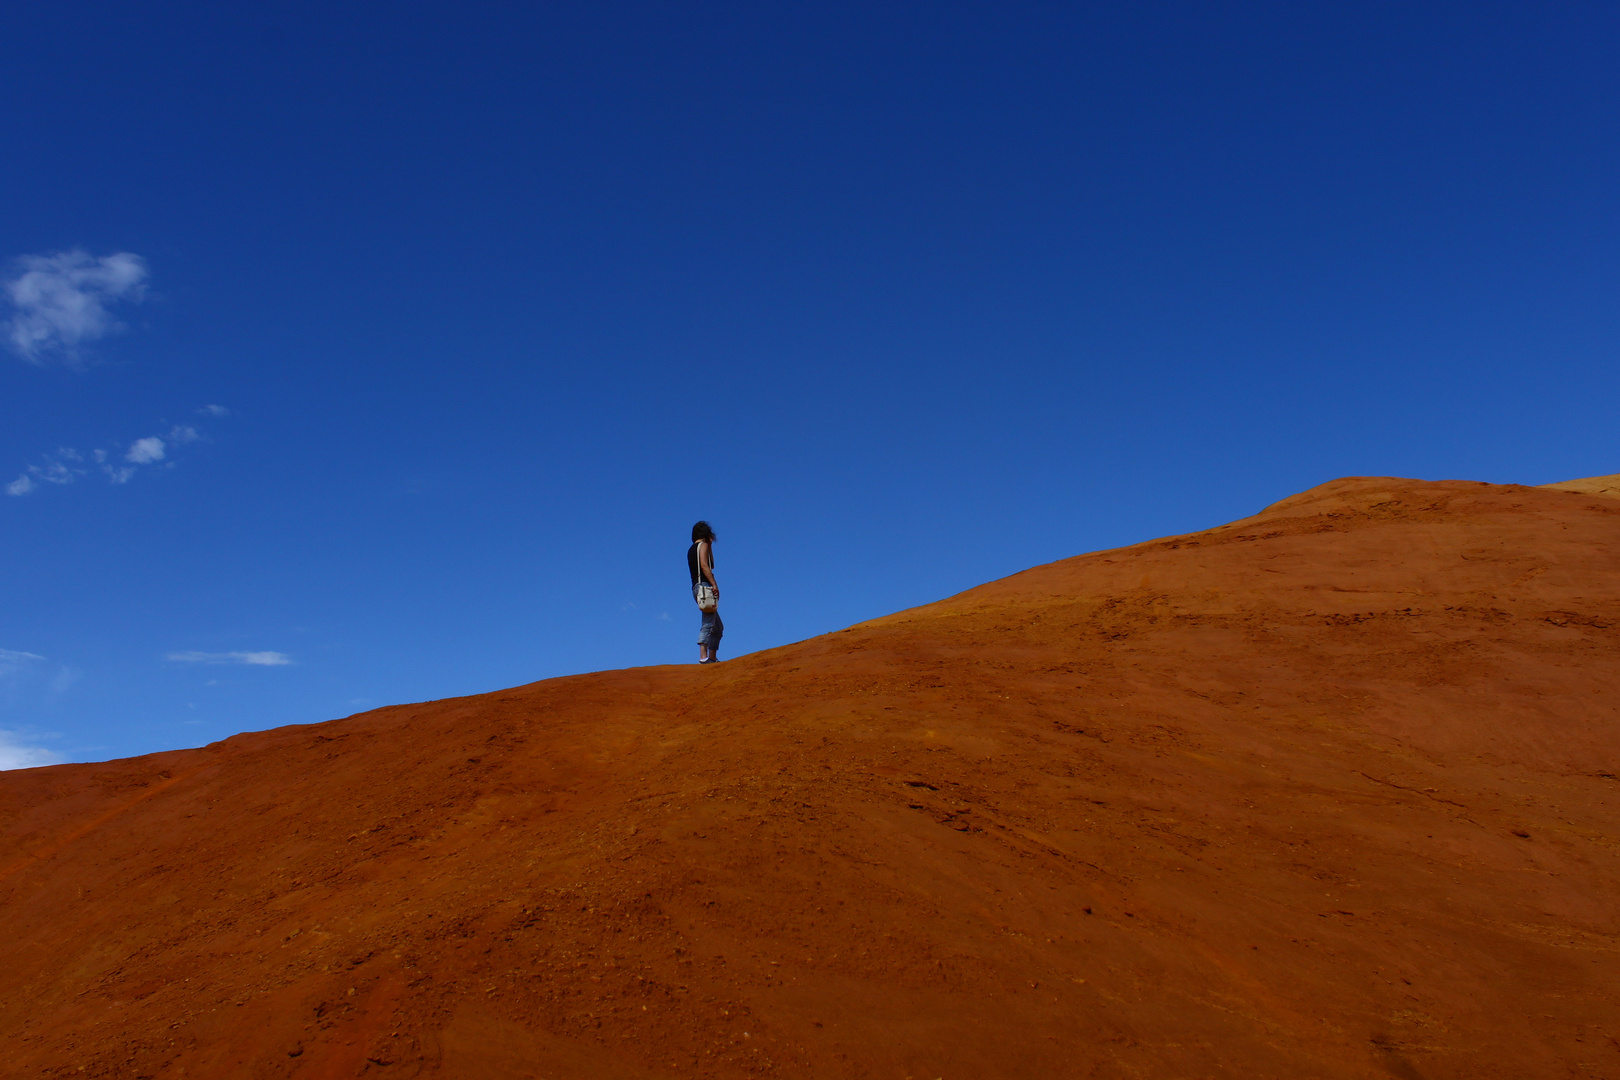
1327	792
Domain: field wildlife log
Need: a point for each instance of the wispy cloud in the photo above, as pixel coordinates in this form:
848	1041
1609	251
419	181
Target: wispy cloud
30	672
14	662
16	754
62	467
60	302
66	464
29	682
261	659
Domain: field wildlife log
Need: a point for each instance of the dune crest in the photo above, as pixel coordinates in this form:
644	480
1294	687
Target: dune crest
1591	485
1327	792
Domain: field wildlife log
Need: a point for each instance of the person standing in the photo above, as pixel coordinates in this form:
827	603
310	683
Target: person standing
700	561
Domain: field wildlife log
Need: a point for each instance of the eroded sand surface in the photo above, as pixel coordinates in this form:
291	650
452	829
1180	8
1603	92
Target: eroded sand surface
1328	792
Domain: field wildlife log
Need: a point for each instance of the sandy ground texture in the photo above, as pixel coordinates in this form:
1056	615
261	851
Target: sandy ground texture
1591	485
1328	792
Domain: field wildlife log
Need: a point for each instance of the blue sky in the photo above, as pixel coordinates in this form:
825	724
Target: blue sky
414	337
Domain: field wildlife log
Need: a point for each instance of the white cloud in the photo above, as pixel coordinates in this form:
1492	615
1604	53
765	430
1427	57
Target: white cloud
60	301
18	755
145	451
62	467
67	464
262	659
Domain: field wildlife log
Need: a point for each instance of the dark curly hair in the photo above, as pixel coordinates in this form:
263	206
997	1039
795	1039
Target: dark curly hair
701	531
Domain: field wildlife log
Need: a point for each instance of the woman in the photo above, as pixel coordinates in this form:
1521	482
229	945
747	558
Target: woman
700	561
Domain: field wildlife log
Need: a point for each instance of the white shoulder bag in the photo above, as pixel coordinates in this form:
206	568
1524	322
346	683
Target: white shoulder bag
706	595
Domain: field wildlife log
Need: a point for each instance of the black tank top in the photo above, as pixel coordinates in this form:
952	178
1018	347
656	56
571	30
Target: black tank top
692	562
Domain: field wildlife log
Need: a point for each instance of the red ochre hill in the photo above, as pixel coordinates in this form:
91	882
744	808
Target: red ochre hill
1327	792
